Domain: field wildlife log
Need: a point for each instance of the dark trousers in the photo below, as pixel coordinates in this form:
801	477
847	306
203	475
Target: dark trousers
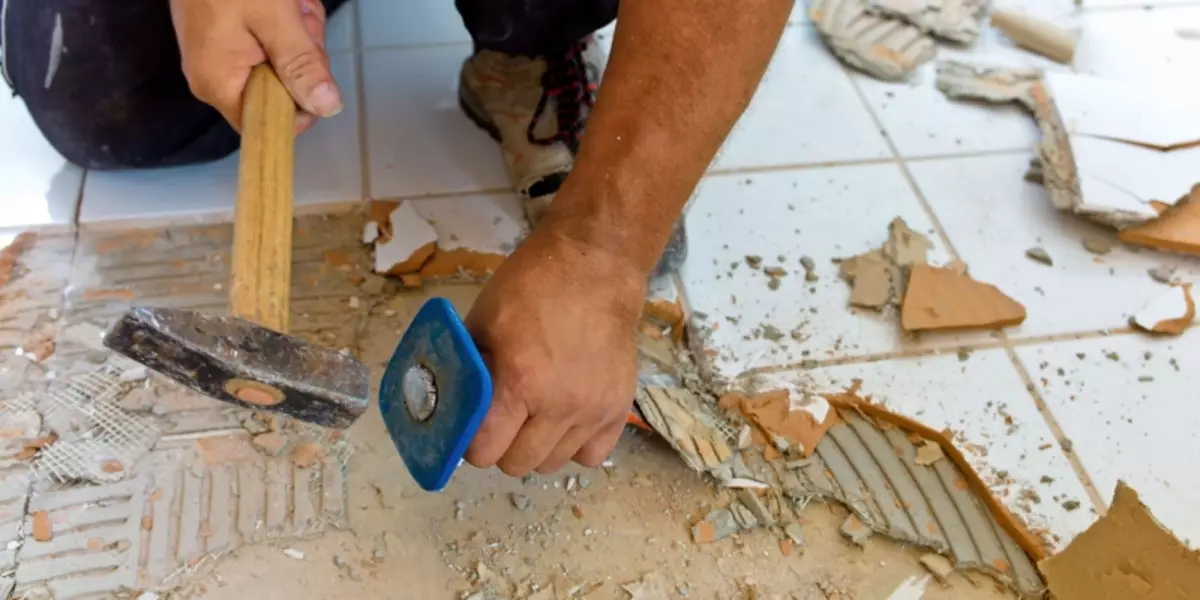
102	78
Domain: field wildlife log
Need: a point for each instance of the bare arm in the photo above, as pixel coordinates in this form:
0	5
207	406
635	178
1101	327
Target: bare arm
680	75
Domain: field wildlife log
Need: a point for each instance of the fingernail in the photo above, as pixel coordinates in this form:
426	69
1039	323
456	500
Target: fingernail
326	100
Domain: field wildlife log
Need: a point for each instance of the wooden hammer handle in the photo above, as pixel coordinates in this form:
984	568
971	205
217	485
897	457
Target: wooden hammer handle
261	273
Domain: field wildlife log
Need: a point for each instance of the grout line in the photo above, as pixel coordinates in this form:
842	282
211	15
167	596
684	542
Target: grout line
419	46
903	164
1060	435
360	89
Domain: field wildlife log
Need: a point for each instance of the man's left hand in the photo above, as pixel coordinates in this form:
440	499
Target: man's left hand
556	325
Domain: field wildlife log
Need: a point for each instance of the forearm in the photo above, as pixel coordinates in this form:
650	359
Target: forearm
680	75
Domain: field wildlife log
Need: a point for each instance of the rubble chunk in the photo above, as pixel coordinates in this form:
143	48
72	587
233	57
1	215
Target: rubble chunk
802	423
717	525
1039	254
940	299
928	453
954	20
854	530
939	566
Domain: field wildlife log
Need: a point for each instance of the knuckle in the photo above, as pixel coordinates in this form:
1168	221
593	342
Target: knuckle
304	65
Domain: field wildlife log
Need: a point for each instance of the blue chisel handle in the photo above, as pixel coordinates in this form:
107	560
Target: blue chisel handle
435	355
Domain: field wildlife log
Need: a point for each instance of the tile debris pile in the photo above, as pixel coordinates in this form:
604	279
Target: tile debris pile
929	298
777	453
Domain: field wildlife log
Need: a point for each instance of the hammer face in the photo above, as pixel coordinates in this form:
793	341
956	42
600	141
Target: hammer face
245	364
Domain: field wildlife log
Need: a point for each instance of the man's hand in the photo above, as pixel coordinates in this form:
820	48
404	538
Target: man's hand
222	40
556	325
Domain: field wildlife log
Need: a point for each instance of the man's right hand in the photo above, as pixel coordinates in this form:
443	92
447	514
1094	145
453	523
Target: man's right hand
222	40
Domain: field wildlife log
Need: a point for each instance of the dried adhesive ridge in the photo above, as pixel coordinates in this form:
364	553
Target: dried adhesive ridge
875	462
884	47
954	20
1126	555
943	299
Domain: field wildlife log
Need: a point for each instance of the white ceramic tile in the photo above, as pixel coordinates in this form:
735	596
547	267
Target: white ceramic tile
994	421
410	23
922	121
339	29
1128	405
992	216
327	171
1134	4
38	187
491	223
419	139
821	213
805	111
1138	44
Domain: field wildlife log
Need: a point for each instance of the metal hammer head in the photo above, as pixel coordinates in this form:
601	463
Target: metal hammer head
245	364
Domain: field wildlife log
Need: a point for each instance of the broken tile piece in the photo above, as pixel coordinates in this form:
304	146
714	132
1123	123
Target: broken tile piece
854	530
928	453
718	524
1097	244
1039	254
1126	554
802	423
884	47
939	566
306	454
1168	313
939	299
904	246
954	20
41	526
870	275
405	243
1176	230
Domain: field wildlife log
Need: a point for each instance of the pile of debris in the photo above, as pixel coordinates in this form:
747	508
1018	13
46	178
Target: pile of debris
889	39
897	477
1120	154
929	298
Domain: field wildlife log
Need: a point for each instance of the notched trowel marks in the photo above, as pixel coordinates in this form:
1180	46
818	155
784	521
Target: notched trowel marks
884	47
899	478
954	20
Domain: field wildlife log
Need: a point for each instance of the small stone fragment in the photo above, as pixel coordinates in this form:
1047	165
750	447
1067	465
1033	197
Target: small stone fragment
772	333
270	443
929	453
938	565
41	526
1097	244
775	271
773	283
1162	274
577	511
293	553
756	506
133	374
521	502
1039	254
743	516
854	530
753	261
306	454
1070	505
1146	378
810	268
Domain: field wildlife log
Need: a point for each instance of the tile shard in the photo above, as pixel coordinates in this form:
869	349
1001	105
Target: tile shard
405	241
1176	230
954	20
1125	555
941	299
1168	313
776	414
884	47
878	277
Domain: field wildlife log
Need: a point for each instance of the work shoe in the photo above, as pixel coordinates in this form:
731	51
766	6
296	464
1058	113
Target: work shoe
537	107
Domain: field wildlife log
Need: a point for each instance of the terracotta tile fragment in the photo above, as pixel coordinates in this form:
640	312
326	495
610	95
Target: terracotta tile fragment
306	454
1126	555
703	533
773	412
941	299
41	526
1169	313
1177	229
112	466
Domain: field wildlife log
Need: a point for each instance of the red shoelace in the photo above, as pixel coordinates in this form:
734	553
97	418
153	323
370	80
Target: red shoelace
567	81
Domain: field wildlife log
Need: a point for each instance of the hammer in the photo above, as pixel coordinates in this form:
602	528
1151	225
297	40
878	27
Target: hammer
246	358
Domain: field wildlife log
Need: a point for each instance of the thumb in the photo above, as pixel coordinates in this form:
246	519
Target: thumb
298	60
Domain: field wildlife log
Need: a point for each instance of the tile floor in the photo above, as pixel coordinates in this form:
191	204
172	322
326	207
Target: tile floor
823	159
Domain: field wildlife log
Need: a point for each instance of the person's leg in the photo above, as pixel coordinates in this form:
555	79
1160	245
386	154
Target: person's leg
531	84
103	82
